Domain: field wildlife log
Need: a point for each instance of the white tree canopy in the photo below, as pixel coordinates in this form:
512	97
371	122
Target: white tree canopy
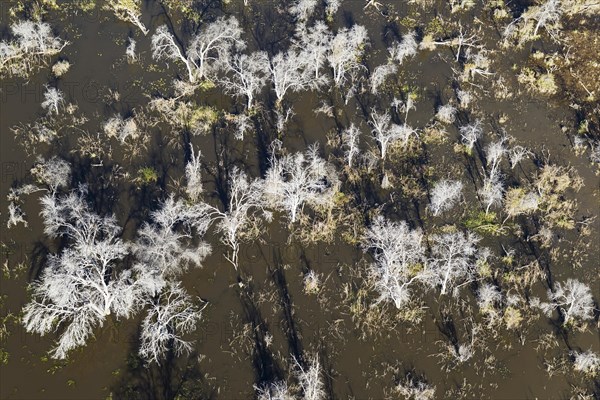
300	179
452	259
397	251
83	284
168	319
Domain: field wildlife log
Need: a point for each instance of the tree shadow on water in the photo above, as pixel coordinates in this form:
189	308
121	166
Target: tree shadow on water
175	378
264	364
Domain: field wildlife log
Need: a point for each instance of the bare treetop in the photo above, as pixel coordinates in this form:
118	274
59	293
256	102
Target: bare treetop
452	259
300	179
397	251
33	43
215	41
83	284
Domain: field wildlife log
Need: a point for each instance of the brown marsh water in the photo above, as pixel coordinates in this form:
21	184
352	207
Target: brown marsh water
266	294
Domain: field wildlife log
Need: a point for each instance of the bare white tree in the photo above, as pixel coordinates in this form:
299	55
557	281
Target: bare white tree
387	133
518	154
303	9
344	56
53	99
314	44
405	49
241	216
350	138
246	75
331	7
312	282
216	39
170	317
287	73
83	284
214	42
446	113
380	74
122	129
166	247
129	11
193	176
470	134
282	116
165	47
465	98
130	50
452	259
397	251
573	298
310	379
243	124
300	179
444	195
492	189
33	43
587	362
54	173
15	215
489	298
404	106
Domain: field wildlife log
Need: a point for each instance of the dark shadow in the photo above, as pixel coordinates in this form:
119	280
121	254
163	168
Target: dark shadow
175	378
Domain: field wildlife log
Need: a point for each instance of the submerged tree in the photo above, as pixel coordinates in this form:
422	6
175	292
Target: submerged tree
586	362
129	11
444	195
215	41
398	252
287	74
240	218
344	56
412	387
314	44
452	259
169	245
387	133
169	317
84	284
573	298
246	75
274	391
32	45
526	27
350	139
310	379
300	179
